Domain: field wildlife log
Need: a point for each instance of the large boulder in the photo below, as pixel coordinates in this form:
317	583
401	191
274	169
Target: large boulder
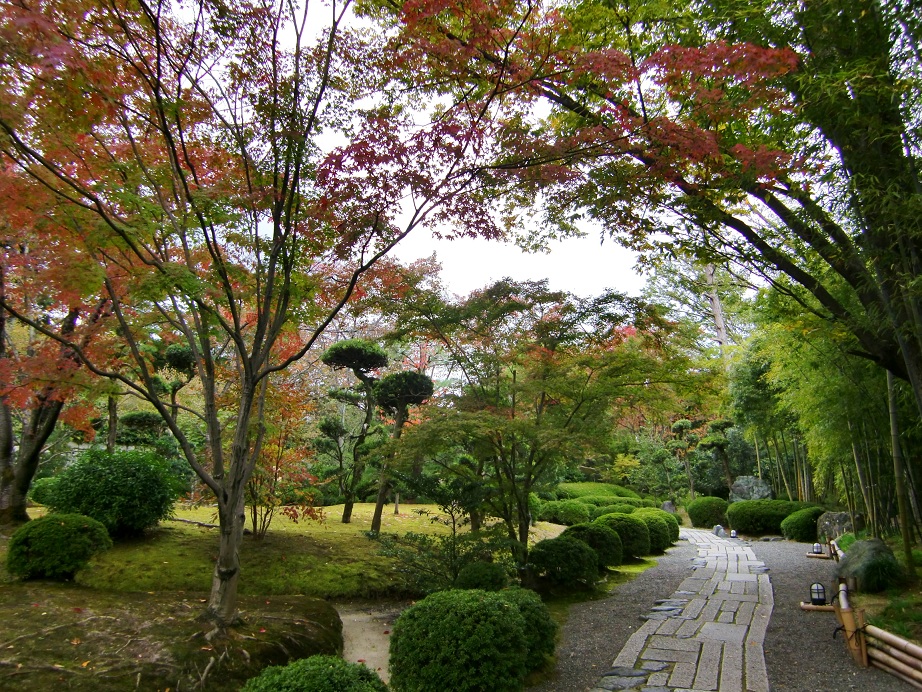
668	506
750	488
834	524
871	564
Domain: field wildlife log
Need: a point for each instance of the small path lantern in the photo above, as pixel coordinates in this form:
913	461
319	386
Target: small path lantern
817	594
817	549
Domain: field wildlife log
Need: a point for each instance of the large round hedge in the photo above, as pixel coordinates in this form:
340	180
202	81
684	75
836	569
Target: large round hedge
564	561
489	576
660	536
540	627
801	525
758	517
672	521
706	512
316	674
566	512
42	489
598	500
127	492
459	640
604	541
634	534
597	512
55	546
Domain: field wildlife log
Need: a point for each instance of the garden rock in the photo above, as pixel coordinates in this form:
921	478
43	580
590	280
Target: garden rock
750	488
668	506
871	563
834	524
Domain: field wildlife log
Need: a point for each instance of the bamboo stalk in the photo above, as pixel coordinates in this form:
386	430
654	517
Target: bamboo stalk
907	647
895	673
891	665
862	639
896	653
823	608
852	634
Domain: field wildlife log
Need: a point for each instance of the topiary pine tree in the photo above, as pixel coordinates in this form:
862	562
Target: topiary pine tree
362	357
395	393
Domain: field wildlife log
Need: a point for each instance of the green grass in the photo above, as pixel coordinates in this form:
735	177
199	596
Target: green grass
327	559
902	614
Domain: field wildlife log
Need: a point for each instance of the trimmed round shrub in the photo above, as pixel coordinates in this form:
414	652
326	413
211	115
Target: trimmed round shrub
55	546
634	534
488	576
459	640
316	674
574	490
706	512
605	542
564	561
566	512
757	517
611	509
647	502
801	525
127	492
597	500
540	628
42	489
660	536
632	501
672	521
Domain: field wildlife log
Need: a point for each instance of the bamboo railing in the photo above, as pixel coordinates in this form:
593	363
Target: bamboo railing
870	645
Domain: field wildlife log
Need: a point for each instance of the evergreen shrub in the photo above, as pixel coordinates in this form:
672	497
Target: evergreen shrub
597	500
316	674
672	521
127	492
758	517
460	640
488	576
564	561
566	512
660	536
634	534
706	512
611	509
604	541
574	490
42	489
540	627
55	546
801	525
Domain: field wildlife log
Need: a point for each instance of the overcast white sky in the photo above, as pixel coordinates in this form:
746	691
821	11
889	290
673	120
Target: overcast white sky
578	265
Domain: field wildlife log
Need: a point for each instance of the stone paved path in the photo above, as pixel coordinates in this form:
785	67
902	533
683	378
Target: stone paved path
709	634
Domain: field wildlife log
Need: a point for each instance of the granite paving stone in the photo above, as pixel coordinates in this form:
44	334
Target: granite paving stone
709	634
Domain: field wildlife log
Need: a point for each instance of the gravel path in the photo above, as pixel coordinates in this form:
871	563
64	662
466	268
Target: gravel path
800	652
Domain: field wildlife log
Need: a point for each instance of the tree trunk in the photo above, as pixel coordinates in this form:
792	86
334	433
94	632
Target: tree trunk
898	475
347	510
113	424
720	325
222	601
384	487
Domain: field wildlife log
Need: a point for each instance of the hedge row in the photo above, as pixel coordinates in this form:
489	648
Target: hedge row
758	517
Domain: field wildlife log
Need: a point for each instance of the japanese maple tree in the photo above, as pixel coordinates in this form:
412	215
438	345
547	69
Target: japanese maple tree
184	148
